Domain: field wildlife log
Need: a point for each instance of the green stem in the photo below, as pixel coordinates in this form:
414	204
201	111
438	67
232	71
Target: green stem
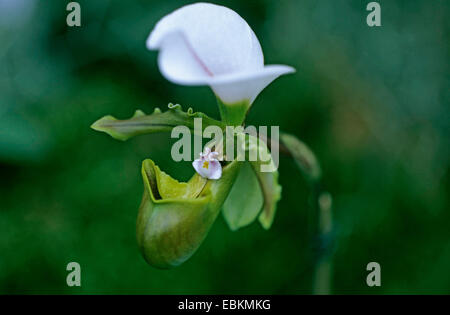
323	258
233	114
320	225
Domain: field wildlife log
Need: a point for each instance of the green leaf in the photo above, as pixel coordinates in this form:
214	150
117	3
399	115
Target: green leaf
245	200
159	121
303	156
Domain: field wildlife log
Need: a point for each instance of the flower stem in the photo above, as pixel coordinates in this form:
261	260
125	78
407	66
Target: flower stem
320	225
323	258
233	114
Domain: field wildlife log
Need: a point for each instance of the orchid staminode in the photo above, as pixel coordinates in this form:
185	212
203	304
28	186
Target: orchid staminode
208	166
208	44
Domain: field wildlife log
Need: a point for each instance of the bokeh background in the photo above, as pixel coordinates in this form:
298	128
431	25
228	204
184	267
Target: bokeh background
371	102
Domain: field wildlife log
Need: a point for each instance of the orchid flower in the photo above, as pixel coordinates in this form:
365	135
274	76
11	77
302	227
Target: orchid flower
208	44
205	44
208	166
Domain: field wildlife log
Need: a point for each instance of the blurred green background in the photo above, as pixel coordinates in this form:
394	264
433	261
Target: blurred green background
371	102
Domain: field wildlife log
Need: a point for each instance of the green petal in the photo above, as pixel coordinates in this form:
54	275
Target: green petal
159	121
303	156
268	182
245	200
271	190
174	218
